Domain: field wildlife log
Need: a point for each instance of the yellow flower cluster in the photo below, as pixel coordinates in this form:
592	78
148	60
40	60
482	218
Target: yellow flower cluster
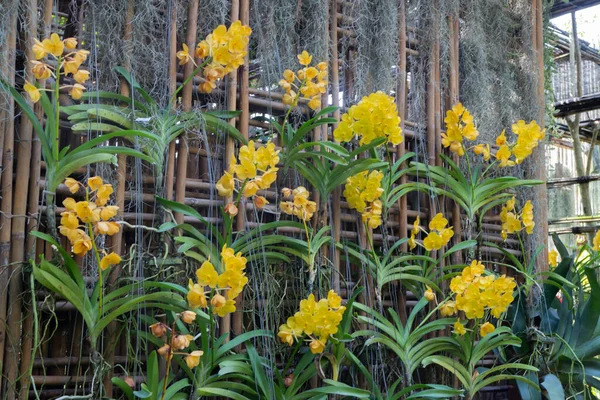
230	282
67	64
362	192
513	222
318	320
529	136
596	242
439	235
476	293
178	342
300	206
251	162
373	117
310	82
89	217
459	125
226	48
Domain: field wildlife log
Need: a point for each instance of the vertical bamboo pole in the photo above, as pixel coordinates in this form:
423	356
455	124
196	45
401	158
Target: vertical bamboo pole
117	239
7	185
401	148
436	75
172	87
232	80
453	97
182	153
17	250
336	212
539	154
34	202
244	14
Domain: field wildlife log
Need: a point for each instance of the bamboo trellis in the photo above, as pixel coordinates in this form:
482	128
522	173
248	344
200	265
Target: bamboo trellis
57	369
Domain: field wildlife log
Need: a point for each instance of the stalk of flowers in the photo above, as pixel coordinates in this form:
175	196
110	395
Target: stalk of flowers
300	206
438	236
84	219
304	209
222	288
362	191
223	51
459	124
479	297
373	117
317	320
256	170
309	82
66	64
528	138
512	222
176	343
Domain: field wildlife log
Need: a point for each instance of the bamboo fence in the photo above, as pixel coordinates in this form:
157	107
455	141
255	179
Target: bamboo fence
55	369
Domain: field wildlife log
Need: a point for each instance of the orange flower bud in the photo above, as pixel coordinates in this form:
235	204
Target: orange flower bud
158	329
164	351
188	317
231	210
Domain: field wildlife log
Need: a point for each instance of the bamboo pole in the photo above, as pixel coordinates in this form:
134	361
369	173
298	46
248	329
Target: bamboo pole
336	212
33	224
437	92
117	239
244	11
401	149
7	187
172	87
232	80
453	96
17	250
182	151
538	157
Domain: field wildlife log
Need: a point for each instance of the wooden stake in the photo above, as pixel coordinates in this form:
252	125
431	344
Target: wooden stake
232	80
117	239
7	187
453	97
539	154
33	224
401	148
336	212
17	250
182	152
237	317
172	87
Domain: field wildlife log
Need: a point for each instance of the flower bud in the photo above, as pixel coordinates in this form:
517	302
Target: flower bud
188	317
287	192
218	301
164	350
288	380
70	43
180	342
231	210
129	381
260	202
158	329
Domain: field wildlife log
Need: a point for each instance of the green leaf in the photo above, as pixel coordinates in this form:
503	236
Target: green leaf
553	387
227	347
124	387
95	127
212	391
